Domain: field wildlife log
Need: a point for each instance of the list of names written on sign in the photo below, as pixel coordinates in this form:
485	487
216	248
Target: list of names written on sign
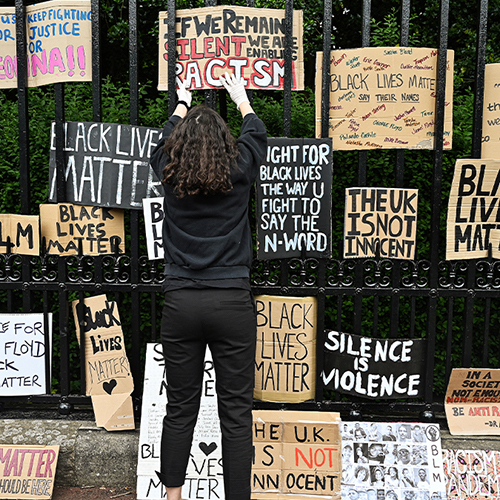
297	454
384	98
293	199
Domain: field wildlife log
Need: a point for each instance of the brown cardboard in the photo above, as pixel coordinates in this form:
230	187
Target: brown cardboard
242	40
59	43
27	471
380	219
101	230
267	455
490	144
24	233
472	402
107	372
285	363
309	465
472	210
384	97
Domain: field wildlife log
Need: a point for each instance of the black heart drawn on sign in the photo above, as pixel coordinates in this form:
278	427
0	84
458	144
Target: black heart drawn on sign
207	448
109	386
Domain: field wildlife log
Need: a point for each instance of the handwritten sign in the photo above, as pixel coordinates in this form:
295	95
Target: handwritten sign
490	147
153	223
293	199
296	455
107	164
100	230
392	460
58	37
245	41
24	343
380	222
27	471
472	401
374	368
107	370
204	473
384	98
472	474
19	234
285	362
473	210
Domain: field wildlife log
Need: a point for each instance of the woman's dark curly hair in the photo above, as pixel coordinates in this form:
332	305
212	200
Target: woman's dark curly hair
202	152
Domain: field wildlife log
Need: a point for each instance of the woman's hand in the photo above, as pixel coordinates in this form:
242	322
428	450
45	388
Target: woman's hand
236	89
184	99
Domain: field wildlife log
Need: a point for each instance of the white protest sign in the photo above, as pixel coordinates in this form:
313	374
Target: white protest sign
153	222
23	344
204	472
392	460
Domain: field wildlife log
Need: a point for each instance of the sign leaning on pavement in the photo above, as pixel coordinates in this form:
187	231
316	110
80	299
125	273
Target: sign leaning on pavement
23	344
28	471
204	472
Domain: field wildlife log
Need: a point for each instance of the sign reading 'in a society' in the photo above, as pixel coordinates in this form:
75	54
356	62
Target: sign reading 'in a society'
293	199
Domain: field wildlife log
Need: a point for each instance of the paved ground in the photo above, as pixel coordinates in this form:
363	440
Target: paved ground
65	493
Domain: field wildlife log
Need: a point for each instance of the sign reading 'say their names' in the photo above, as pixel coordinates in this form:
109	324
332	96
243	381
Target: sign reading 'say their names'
294	203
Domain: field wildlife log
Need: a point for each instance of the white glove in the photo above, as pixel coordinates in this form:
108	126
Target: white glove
183	94
235	87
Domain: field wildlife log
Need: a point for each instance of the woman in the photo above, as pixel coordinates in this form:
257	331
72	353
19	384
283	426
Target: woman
207	177
392	478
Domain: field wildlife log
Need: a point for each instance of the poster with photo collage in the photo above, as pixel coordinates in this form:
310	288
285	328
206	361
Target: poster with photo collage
392	461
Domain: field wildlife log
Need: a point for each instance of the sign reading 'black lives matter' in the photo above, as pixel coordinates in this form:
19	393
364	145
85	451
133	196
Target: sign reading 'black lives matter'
374	368
293	199
106	164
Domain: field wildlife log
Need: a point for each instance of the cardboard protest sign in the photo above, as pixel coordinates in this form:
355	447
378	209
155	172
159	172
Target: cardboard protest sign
107	164
19	234
296	455
474	210
27	471
8	60
100	230
285	361
107	370
472	474
384	97
153	223
472	401
490	147
392	460
59	43
245	41
380	222
374	368
204	472
294	202
24	343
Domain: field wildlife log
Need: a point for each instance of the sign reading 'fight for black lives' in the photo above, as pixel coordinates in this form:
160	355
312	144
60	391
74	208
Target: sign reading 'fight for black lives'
294	204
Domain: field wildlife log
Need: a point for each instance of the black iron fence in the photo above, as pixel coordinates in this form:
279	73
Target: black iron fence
451	304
